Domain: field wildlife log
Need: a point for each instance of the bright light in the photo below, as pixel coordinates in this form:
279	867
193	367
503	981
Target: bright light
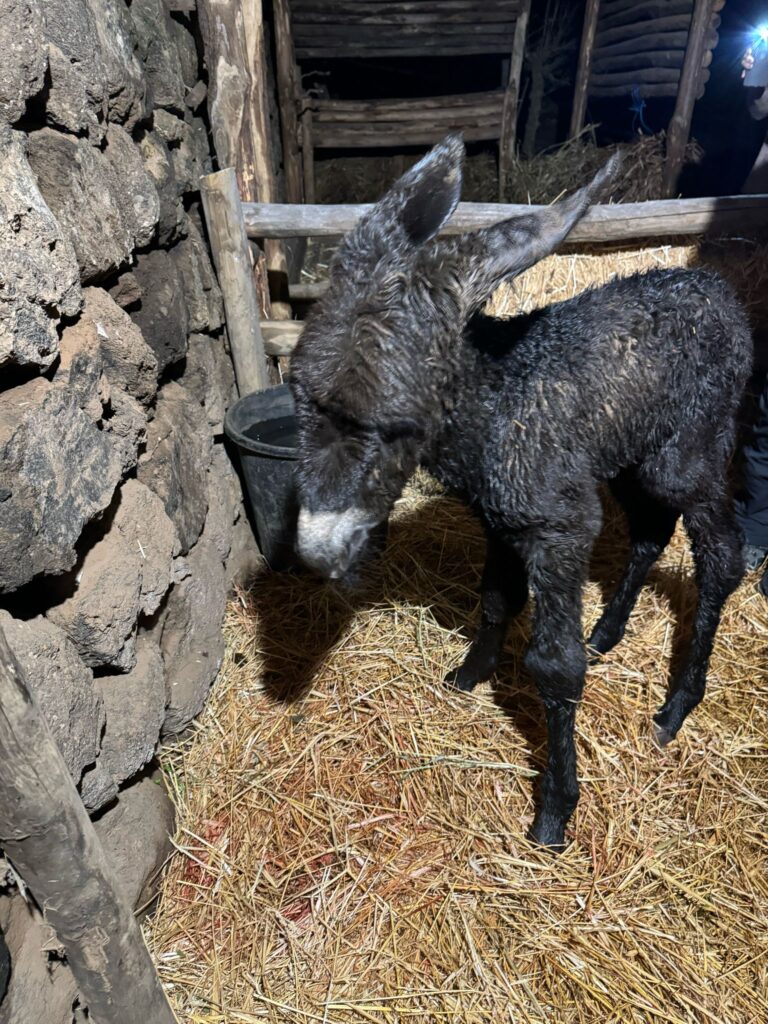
762	32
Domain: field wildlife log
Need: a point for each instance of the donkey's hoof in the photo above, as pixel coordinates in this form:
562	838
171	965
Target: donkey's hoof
662	737
460	679
549	833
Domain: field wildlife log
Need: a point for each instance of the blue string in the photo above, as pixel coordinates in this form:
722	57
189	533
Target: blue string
637	106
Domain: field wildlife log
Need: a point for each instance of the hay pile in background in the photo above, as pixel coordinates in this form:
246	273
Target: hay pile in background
351	841
542	179
559	171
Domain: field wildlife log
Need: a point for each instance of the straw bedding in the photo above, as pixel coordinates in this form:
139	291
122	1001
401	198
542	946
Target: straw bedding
351	843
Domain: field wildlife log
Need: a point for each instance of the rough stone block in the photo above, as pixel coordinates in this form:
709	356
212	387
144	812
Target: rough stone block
88	199
98	788
41	988
39	277
126	290
94	73
223	502
175	464
125	574
58	470
25	57
192	641
62	685
191	156
77	97
187	51
136	835
158	163
123	75
210	377
162	315
134	188
135	708
201	290
158	52
128	361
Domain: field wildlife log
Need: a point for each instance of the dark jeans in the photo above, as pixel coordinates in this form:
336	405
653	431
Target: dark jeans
752	505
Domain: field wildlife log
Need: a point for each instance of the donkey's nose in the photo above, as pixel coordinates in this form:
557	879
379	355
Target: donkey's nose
330	542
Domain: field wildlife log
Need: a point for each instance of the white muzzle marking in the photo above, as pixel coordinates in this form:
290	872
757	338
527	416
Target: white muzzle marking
330	541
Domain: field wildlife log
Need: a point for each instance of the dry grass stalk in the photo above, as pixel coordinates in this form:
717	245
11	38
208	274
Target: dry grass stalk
351	841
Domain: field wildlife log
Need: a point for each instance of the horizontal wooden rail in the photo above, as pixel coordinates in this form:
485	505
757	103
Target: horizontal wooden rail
605	223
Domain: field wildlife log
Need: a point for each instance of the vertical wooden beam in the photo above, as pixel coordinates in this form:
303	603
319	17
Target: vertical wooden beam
307	156
233	38
680	126
47	835
288	93
232	256
512	96
581	88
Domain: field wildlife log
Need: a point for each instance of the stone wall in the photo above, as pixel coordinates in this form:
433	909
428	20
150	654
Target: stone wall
119	510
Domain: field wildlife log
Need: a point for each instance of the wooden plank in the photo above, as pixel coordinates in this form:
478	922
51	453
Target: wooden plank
603	223
46	833
690	82
494	98
643	42
508	136
330	139
613	16
319	10
412	115
585	62
288	92
629	62
644	26
425	47
667	90
639	76
224	218
422	17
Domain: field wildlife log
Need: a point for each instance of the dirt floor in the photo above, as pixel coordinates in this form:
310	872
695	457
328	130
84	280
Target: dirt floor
351	843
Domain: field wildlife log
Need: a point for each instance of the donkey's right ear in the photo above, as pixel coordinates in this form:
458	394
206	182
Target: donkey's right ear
413	210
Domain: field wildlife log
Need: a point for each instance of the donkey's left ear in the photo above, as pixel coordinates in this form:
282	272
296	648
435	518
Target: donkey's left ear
409	214
426	196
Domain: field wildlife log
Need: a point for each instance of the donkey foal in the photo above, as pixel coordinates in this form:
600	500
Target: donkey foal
636	383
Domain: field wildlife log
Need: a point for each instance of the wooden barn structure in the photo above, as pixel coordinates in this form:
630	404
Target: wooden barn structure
338	30
648	48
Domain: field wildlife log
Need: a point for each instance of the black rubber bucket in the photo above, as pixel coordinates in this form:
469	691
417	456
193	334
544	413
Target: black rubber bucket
263	426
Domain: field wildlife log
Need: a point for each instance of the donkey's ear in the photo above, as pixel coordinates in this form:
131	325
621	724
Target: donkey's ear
426	196
507	249
411	212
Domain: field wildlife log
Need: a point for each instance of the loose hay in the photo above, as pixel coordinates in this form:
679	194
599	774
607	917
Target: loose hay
351	840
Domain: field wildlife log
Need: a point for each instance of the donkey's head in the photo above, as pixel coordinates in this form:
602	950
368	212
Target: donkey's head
375	367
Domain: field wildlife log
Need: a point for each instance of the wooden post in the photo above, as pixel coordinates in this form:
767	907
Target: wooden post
47	835
233	37
680	125
585	65
232	256
287	96
308	156
512	96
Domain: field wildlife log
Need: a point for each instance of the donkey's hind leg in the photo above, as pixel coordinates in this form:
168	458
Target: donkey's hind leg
717	554
503	593
651	525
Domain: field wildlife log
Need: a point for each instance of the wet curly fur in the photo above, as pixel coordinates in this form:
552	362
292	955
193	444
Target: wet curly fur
636	383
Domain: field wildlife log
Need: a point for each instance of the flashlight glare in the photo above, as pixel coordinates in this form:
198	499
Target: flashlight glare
762	32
